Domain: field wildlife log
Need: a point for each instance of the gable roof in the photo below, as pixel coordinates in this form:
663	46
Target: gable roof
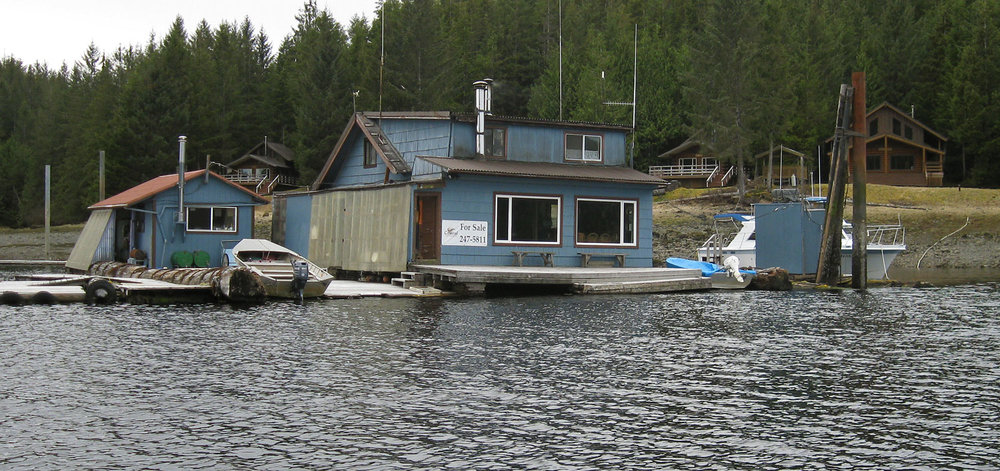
780	148
905	116
150	188
559	171
373	133
689	143
284	155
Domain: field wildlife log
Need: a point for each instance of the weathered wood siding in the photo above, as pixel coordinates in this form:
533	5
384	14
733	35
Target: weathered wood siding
362	229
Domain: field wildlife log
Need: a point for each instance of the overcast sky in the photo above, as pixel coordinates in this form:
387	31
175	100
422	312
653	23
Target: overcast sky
57	31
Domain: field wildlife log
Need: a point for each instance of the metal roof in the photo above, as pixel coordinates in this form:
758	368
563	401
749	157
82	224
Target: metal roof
599	173
150	188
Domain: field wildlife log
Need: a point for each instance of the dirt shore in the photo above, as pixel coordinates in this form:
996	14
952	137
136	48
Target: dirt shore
681	226
29	244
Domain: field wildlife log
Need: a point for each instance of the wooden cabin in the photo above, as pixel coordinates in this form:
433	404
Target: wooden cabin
471	189
146	225
901	150
268	167
694	165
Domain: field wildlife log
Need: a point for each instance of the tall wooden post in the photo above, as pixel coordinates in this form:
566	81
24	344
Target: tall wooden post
859	255
828	268
100	176
48	186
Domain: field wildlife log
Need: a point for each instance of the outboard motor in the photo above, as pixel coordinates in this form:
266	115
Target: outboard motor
300	274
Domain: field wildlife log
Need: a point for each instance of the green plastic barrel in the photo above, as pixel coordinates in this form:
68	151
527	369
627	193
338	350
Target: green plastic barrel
181	259
202	258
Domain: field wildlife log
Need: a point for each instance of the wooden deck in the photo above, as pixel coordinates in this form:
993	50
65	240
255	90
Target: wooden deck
581	280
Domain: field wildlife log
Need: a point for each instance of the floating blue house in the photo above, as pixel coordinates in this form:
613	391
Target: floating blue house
150	222
471	189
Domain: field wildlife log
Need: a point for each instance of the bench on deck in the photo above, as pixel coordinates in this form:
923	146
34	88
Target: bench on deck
586	256
519	256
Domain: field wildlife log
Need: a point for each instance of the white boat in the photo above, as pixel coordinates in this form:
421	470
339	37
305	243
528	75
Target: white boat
885	242
284	273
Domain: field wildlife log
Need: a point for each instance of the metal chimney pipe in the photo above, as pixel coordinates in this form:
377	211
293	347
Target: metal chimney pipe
482	103
182	141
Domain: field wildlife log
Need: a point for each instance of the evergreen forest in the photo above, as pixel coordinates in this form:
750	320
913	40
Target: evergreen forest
746	72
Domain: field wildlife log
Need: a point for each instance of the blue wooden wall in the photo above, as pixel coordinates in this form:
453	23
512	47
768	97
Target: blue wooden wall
298	216
471	198
171	236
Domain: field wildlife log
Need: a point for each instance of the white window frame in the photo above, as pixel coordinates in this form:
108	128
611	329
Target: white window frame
583	149
621	223
510	213
211	219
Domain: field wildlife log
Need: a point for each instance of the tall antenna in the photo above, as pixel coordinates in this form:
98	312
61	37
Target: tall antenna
560	61
381	65
635	74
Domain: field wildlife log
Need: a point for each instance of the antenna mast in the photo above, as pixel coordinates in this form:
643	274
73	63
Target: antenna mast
635	73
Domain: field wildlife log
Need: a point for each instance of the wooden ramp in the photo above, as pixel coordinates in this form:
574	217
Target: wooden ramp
581	280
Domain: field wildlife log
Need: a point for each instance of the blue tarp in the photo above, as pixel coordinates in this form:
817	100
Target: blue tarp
736	216
707	268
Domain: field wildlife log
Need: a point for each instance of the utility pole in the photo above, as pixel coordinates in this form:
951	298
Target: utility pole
859	254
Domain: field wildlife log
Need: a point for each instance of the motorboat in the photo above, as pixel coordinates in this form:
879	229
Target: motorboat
729	275
735	235
284	273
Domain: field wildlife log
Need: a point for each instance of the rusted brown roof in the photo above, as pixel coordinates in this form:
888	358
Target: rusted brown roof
599	173
149	188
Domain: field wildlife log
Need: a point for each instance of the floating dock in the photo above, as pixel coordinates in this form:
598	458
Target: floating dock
477	279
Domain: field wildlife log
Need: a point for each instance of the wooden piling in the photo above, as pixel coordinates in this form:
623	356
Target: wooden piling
859	255
828	268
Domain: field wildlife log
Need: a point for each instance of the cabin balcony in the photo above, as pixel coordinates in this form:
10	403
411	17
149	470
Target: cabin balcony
694	176
262	183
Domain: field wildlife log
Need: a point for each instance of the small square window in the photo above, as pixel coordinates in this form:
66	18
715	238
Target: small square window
371	156
496	143
584	147
874	162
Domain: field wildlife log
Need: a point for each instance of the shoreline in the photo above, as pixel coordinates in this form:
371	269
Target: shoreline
681	225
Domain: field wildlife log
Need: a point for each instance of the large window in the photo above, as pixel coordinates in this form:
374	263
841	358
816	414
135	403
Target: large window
211	218
605	222
583	147
496	143
901	162
527	219
873	127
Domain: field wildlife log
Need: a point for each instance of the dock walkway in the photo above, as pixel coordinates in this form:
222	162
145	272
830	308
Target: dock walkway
580	279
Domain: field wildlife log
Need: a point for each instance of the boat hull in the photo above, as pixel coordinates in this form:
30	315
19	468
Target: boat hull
283	289
724	281
879	261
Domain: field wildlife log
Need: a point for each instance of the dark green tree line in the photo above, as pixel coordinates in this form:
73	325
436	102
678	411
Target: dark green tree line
740	72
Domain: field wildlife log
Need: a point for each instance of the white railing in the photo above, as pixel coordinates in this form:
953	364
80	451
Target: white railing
728	176
682	170
260	180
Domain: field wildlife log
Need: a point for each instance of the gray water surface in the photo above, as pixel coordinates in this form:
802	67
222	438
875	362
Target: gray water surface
895	378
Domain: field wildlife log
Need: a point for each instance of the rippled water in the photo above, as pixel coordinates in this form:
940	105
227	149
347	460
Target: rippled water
896	378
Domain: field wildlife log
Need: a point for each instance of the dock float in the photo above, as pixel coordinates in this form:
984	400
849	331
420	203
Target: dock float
470	279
